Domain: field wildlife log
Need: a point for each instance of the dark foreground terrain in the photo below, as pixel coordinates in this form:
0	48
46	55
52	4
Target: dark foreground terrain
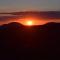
18	42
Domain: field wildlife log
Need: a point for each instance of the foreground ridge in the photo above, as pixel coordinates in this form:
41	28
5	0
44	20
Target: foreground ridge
36	42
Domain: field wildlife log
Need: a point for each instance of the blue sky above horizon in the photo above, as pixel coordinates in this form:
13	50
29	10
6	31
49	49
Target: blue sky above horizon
29	5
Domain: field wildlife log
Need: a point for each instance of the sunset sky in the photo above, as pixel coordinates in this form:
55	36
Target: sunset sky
29	5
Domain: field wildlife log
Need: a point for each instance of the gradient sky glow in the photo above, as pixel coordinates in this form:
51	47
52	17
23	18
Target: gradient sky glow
28	5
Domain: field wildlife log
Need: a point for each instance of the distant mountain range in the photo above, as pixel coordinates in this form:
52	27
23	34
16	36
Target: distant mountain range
30	43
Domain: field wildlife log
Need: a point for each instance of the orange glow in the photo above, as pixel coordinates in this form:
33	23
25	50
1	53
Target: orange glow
32	21
29	22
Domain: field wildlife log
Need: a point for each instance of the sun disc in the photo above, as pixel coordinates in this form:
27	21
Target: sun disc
29	23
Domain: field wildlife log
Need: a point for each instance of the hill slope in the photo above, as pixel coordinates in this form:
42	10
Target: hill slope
35	42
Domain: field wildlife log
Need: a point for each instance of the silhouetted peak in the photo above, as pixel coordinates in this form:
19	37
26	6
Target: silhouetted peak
12	25
16	25
52	24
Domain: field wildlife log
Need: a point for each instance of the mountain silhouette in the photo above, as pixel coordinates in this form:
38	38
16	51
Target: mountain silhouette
23	42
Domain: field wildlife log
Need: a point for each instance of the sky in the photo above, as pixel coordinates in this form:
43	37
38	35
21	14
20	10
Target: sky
29	5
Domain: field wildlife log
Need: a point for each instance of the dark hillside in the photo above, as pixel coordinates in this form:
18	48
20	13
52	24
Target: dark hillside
36	42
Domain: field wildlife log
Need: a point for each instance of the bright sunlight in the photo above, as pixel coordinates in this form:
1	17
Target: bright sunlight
29	23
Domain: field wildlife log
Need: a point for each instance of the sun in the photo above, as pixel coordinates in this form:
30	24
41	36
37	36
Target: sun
29	23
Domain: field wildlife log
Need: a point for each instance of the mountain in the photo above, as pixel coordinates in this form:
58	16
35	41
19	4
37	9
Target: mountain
30	43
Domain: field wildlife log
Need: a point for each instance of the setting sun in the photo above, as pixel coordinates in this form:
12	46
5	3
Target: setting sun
32	21
29	23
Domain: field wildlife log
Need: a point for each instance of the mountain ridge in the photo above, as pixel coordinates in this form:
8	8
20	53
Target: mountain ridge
37	42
